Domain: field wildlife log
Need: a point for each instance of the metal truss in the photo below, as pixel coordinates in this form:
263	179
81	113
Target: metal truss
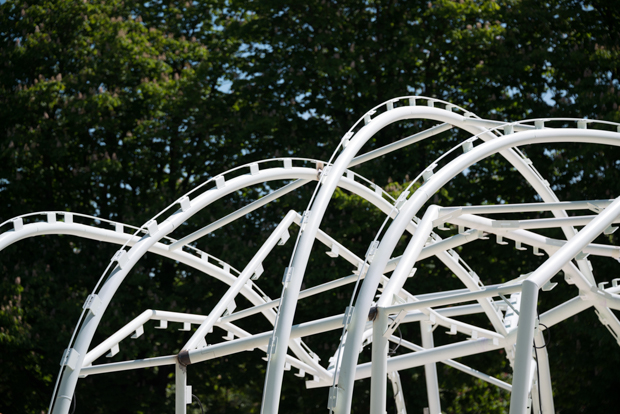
381	303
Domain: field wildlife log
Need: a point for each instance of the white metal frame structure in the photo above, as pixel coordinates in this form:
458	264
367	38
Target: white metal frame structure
378	303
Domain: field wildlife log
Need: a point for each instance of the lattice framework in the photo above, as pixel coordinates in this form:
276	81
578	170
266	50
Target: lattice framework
367	320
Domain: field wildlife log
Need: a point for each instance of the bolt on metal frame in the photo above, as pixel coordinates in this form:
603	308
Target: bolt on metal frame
514	320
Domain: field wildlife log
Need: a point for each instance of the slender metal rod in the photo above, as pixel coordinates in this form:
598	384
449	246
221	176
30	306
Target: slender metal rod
455	298
437	354
437	129
239	213
529	207
378	379
521	382
456	365
430	370
180	382
251	268
544	373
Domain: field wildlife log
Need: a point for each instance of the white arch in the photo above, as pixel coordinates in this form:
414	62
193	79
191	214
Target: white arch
379	262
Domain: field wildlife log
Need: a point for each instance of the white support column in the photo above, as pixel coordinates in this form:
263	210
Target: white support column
397	389
378	379
521	382
544	374
181	389
430	370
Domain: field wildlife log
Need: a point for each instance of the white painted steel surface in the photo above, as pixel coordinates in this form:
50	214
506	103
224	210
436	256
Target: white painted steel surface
392	300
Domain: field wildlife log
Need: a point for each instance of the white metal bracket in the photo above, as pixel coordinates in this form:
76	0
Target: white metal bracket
394	324
440	221
138	333
500	240
304	220
288	273
185	203
121	258
372	249
70	358
113	351
151	227
332	398
257	272
271	347
334	250
18	224
284	237
92	303
348	314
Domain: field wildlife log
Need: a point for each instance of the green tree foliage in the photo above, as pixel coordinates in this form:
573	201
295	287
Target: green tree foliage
116	108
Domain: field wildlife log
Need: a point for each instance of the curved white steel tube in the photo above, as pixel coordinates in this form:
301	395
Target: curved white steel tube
373	267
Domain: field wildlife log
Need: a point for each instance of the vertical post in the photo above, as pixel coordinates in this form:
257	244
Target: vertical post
180	380
525	339
378	378
546	391
430	370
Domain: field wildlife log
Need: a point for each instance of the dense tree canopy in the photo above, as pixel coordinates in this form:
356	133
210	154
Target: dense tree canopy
116	108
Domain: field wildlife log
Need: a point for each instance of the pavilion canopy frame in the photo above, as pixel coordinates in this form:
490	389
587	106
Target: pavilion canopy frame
368	319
